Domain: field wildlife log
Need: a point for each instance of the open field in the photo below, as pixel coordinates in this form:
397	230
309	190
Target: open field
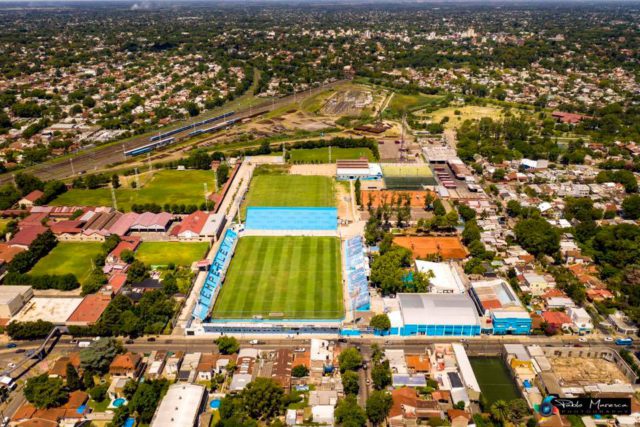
400	102
494	379
468	112
580	371
69	257
165	186
176	253
283	277
321	155
290	190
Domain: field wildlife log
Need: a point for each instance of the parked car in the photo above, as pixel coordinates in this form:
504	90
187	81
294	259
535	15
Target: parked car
300	349
151	339
20	350
608	339
129	341
254	342
12	345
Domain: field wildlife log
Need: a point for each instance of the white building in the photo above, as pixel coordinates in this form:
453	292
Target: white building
446	278
12	299
181	406
581	320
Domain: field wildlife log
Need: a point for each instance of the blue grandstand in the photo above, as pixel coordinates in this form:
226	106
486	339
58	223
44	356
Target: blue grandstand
356	268
287	218
216	273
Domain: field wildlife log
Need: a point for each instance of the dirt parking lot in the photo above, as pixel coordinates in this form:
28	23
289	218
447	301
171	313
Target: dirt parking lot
583	371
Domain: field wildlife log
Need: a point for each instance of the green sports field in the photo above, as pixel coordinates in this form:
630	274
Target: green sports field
177	253
69	257
283	277
165	186
290	190
321	155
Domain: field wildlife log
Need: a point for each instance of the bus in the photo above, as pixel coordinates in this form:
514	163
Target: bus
624	341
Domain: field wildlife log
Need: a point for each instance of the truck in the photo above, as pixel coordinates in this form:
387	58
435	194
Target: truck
624	341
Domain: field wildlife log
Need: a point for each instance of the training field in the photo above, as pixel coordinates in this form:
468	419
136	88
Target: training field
283	277
321	155
165	186
291	191
468	112
69	257
176	253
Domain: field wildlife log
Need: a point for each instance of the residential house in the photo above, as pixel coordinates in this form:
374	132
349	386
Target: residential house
30	199
126	365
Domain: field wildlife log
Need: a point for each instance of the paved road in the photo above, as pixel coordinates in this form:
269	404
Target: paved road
100	157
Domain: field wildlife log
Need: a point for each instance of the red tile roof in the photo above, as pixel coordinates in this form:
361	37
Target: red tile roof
71	226
556	318
117	281
8	252
33	196
192	222
27	235
90	309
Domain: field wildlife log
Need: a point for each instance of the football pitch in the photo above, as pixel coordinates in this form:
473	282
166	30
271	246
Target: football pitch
283	278
290	191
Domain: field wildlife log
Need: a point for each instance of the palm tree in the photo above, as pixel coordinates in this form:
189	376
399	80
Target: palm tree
500	411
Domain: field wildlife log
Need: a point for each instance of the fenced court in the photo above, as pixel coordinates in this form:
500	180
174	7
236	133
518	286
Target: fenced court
407	176
283	278
424	246
295	218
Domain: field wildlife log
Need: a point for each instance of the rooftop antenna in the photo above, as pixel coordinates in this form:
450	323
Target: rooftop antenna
113	198
73	172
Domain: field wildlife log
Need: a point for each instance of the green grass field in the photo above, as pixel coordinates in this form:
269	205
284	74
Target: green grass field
468	112
177	253
166	186
400	102
299	277
494	379
399	170
290	190
321	155
69	257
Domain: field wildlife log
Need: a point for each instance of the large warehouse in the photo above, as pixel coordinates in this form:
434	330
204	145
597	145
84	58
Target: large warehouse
434	315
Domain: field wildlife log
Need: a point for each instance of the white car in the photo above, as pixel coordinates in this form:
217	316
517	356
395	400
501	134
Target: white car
608	339
582	339
300	350
253	342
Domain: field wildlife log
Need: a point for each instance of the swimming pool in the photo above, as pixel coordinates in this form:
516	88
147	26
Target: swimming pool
215	404
119	402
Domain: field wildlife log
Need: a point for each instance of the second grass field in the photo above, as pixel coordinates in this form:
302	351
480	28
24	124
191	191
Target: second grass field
283	277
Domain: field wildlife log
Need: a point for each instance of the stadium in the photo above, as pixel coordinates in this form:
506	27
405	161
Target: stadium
284	269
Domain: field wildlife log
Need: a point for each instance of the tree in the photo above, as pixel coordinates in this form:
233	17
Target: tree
227	345
29	330
99	355
438	208
499	411
45	392
631	207
127	256
222	174
380	322
537	236
170	285
115	180
99	392
299	371
73	379
146	398
351	382
87	379
27	183
349	414
262	399
378	406
358	192
137	272
518	410
381	375
513	208
350	360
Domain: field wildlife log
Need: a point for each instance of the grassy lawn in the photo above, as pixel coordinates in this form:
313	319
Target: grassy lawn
165	253
468	112
99	406
299	277
3	225
290	190
494	379
401	102
165	186
321	155
69	257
